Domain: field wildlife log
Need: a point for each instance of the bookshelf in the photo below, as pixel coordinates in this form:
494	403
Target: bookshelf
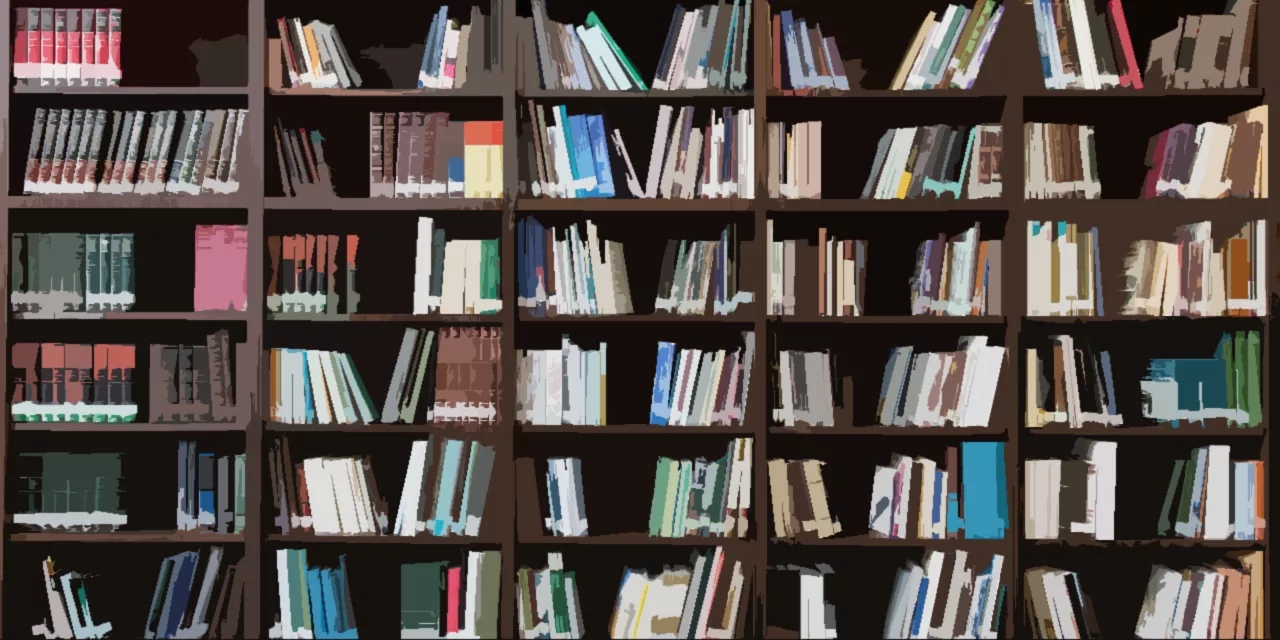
1009	91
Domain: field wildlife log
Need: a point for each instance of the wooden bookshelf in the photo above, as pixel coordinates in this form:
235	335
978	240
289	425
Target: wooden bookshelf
1009	91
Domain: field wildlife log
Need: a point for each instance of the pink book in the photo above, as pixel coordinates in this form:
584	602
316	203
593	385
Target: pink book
222	268
453	600
1134	76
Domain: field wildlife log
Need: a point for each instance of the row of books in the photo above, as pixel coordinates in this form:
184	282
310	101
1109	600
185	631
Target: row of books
706	48
195	383
695	272
569	154
315	56
547	605
57	382
1061	161
799	500
1059	607
960	276
930	389
1064	273
937	160
194	157
459	365
314	601
211	490
716	161
1070	383
806	391
563	386
803	59
570	270
453	276
817	616
703	601
913	498
198	595
1212	497
1072	498
697	387
1084	49
60	273
566	505
451	600
795	160
1224	600
1188	277
67	47
703	498
300	158
1226	387
947	52
454	52
967	602
444	492
566	56
1205	51
1211	159
87	497
415	154
305	277
69	615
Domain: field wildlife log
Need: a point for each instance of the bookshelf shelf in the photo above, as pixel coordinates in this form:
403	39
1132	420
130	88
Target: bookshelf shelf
132	91
869	541
634	205
133	537
910	432
633	430
128	201
387	93
128	427
387	47
428	541
375	205
635	539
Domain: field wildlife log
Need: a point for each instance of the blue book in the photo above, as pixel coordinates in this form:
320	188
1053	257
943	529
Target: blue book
600	153
341	597
726	63
917	618
309	411
180	592
583	164
794	72
457	175
315	596
424	70
566	134
985	508
448	481
939	501
660	406
553	500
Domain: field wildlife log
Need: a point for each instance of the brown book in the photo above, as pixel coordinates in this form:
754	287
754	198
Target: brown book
332	299
304	499
23	358
953	482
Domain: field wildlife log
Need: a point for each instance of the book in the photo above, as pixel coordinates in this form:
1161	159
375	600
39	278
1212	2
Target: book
59	382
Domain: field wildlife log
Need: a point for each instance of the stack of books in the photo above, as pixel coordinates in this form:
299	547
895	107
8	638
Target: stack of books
1064	272
1226	387
314	55
803	59
1074	497
694	387
567	507
181	609
1188	277
415	154
1205	51
548	605
958	277
451	600
315	602
691	161
1061	161
1084	49
1224	600
806	390
1058	606
455	277
563	386
649	606
210	490
1211	497
934	389
1070	383
703	498
926	592
582	57
937	161
454	53
67	47
1210	160
706	48
913	498
570	270
799	500
947	52
73	382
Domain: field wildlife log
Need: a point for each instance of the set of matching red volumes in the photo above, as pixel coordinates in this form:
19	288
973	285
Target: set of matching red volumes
66	47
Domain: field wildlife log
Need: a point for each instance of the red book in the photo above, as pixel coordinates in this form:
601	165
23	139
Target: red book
454	599
73	46
60	46
1133	75
87	20
101	19
33	44
46	47
20	42
113	64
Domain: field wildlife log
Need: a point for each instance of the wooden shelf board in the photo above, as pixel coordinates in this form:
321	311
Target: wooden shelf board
311	538
491	319
128	201
456	429
654	94
635	205
186	316
925	320
1146	92
134	91
334	203
736	318
1164	320
635	429
869	541
1188	430
858	205
953	432
176	537
883	94
386	93
1182	543
635	539
129	427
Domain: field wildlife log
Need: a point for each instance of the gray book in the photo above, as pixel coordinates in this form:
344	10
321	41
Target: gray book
399	375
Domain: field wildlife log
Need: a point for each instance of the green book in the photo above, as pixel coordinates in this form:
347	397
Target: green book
658	508
594	21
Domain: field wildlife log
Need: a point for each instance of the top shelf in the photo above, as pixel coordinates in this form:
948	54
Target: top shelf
133	91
